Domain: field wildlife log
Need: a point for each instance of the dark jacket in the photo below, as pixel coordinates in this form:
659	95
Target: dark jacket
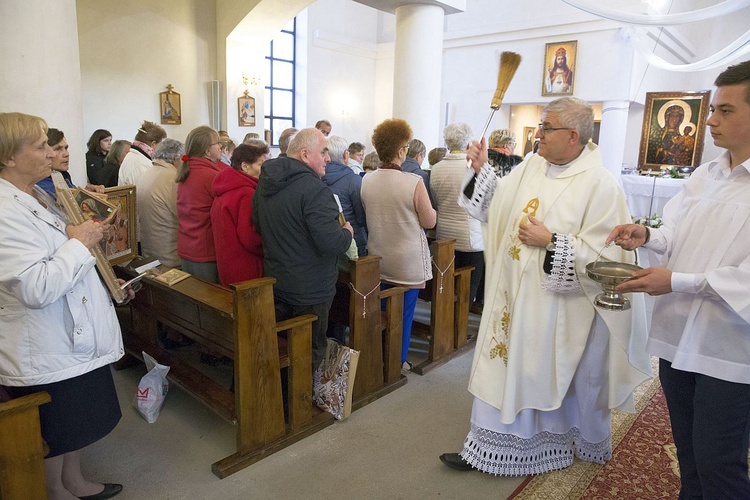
100	172
411	165
347	186
297	218
502	163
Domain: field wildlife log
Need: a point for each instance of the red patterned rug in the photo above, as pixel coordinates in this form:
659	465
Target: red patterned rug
643	465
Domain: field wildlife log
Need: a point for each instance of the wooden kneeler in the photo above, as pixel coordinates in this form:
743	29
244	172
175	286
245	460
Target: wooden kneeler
375	334
21	448
448	294
258	355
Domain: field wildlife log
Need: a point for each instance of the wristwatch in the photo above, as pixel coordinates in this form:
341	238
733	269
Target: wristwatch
551	245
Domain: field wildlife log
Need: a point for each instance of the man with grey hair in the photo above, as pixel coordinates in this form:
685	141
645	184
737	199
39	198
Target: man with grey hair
356	157
297	218
415	155
549	366
453	221
157	203
347	185
284	138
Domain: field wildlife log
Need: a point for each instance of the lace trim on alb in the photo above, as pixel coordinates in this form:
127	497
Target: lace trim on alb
509	455
478	206
563	278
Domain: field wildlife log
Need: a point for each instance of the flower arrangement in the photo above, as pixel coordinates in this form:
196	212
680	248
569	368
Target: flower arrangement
653	221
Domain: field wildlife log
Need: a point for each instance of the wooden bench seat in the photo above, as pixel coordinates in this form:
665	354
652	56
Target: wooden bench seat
21	448
237	322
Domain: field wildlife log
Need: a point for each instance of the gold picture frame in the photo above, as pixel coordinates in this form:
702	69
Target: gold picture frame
170	107
246	110
674	126
121	243
74	216
559	68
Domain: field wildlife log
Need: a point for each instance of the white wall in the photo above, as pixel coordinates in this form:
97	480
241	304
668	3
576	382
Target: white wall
607	68
40	69
131	50
342	63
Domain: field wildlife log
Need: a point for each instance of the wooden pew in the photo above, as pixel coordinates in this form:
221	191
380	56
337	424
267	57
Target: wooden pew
374	333
21	448
448	294
239	323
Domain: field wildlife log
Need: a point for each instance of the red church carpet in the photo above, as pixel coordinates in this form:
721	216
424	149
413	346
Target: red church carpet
643	465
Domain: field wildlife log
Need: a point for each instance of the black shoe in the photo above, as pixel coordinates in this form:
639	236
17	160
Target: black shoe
176	344
454	461
210	359
109	491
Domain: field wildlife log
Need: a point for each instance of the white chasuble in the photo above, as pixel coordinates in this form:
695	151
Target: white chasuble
531	340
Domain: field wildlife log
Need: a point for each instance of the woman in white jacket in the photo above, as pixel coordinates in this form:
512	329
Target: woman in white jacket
58	328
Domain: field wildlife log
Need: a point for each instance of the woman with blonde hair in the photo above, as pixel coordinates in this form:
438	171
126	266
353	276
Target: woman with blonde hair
501	147
107	175
58	332
227	147
398	209
195	239
141	154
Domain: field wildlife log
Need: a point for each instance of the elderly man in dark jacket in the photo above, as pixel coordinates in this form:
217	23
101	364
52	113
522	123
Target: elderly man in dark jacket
297	218
347	186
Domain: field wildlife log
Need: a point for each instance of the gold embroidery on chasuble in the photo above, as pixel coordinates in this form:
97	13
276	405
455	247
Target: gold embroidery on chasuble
514	250
501	332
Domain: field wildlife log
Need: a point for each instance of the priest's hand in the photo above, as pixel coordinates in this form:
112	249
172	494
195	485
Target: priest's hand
477	154
652	280
534	234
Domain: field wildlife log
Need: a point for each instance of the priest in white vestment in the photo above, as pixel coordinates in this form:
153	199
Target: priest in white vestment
701	324
548	366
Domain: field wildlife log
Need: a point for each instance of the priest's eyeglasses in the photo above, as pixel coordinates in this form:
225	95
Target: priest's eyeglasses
544	129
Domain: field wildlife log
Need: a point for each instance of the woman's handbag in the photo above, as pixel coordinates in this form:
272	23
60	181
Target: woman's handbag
333	381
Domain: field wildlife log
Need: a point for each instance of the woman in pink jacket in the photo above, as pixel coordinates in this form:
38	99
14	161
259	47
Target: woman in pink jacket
239	254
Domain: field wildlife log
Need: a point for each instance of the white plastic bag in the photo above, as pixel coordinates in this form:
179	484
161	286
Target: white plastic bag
152	390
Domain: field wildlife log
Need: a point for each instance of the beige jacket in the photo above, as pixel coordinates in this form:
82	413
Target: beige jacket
156	193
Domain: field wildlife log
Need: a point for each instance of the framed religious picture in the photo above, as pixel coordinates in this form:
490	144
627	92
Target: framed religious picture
71	210
246	110
171	108
121	243
93	207
528	140
559	68
674	125
597	129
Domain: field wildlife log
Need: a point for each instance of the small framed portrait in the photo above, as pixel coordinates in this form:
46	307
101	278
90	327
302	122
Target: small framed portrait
92	206
171	107
674	125
559	68
121	243
246	111
528	139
